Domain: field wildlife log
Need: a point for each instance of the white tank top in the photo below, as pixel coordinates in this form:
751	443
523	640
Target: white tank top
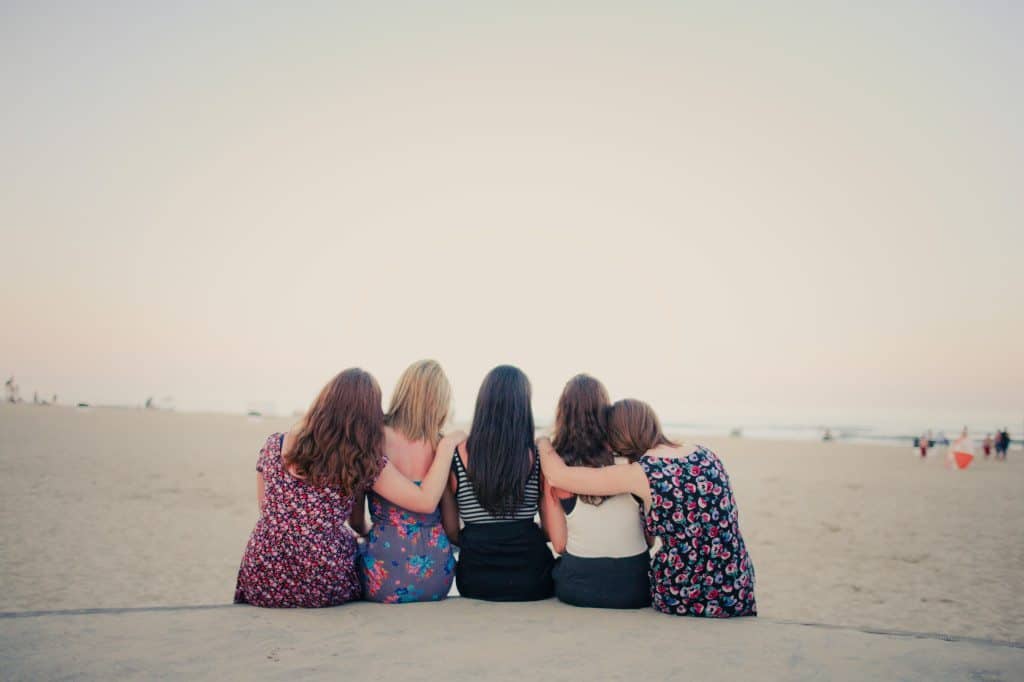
611	529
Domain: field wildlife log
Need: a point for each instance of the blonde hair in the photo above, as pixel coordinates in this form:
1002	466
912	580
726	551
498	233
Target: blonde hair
421	403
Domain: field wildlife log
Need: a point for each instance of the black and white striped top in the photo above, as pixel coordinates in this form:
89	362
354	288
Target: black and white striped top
469	507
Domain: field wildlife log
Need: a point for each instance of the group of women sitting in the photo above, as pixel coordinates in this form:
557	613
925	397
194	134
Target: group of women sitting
607	488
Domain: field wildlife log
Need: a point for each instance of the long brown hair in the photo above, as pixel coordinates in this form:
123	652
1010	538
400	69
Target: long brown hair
633	429
581	426
421	403
340	439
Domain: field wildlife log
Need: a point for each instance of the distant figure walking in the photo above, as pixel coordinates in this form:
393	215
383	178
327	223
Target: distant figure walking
1002	443
11	390
923	443
986	444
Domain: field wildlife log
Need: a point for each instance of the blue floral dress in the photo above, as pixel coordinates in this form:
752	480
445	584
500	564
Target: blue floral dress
702	567
407	556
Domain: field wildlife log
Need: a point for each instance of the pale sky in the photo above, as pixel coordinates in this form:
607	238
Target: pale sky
724	209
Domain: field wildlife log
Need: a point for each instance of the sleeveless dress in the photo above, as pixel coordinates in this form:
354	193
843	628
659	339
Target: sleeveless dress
301	553
606	562
407	556
702	567
502	558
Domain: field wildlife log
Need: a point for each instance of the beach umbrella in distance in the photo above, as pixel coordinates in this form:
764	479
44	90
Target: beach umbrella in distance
961	453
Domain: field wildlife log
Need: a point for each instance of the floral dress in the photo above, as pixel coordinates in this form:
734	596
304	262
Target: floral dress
702	567
407	556
301	553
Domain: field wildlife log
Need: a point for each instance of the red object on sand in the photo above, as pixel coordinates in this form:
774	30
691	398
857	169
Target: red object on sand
962	459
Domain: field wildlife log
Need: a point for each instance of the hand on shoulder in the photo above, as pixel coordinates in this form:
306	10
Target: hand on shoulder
456	436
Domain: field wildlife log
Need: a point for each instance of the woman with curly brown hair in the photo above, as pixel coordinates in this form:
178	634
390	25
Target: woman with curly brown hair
301	553
604	560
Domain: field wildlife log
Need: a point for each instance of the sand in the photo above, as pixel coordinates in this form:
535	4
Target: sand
109	508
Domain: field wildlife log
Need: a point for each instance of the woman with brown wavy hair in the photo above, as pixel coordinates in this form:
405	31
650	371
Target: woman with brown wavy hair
601	539
301	553
702	567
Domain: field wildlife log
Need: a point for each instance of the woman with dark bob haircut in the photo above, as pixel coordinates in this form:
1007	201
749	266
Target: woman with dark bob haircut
495	490
301	553
702	567
604	560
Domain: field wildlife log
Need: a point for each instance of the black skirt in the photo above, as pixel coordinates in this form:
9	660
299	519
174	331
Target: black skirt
507	561
604	583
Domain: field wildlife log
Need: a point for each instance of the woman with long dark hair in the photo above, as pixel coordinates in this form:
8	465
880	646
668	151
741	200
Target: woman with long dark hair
604	560
702	567
496	485
301	553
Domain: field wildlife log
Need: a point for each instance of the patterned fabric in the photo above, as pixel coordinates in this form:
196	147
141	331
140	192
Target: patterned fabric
301	553
407	556
702	567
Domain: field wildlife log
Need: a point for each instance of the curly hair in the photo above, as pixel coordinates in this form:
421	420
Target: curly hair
581	433
340	439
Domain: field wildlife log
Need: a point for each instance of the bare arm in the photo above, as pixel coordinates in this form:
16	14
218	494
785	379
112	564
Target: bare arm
261	491
422	498
552	518
357	519
610	480
450	515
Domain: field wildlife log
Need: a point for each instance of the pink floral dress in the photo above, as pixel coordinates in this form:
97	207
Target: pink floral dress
301	553
702	568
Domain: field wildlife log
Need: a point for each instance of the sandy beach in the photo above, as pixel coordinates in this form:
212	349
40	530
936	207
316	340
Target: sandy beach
112	508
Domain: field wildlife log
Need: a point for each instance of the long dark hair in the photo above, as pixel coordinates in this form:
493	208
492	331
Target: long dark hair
340	438
501	441
581	426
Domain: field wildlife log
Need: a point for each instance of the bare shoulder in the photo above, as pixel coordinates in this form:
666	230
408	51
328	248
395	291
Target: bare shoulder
288	442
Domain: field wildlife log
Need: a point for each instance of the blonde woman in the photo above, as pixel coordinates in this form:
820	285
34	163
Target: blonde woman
407	556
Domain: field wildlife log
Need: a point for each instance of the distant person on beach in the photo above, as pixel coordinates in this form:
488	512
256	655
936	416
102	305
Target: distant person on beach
1002	443
496	483
407	556
923	443
604	560
702	567
301	553
986	445
11	390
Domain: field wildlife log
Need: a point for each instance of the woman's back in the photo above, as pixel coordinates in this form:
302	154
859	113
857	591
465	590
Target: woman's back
504	557
613	528
407	556
297	519
470	509
411	457
605	562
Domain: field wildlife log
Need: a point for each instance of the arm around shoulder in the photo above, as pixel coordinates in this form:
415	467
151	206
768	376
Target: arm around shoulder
423	498
609	480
